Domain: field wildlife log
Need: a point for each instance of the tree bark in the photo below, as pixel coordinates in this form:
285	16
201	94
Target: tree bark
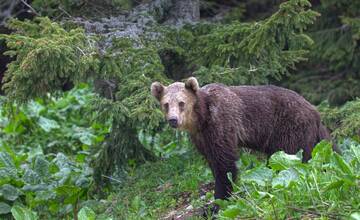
185	11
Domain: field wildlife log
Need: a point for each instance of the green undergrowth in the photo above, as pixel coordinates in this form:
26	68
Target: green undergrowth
327	187
154	189
45	151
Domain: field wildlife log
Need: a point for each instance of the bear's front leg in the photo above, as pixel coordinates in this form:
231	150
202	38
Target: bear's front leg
223	187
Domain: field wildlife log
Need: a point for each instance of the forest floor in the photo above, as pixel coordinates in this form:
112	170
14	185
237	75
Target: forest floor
174	188
179	187
185	210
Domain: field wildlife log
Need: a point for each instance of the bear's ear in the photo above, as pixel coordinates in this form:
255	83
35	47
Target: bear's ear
157	90
192	84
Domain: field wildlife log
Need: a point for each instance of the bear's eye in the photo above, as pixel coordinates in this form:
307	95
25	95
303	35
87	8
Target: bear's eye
182	105
166	107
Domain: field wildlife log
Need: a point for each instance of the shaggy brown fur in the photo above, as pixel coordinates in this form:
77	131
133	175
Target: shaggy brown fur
264	118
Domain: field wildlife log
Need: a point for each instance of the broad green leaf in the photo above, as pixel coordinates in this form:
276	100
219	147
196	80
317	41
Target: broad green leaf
235	211
82	182
47	124
45	195
355	150
86	138
71	193
340	163
61	161
80	157
54	206
35	151
9	192
31	177
41	167
53	168
16	125
231	211
84	135
261	175
7	173
6	160
73	198
63	175
67	190
22	213
334	185
322	152
355	216
35	188
33	109
4	208
86	213
282	161
285	178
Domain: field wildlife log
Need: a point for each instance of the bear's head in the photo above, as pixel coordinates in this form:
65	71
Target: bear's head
177	102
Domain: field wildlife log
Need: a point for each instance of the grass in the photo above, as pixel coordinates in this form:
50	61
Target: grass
154	189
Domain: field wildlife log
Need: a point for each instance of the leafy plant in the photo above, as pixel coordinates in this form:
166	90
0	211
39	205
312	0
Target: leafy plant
45	154
52	184
325	187
21	213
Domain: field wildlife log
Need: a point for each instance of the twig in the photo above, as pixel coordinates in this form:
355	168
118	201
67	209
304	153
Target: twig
65	12
81	50
29	6
110	178
59	16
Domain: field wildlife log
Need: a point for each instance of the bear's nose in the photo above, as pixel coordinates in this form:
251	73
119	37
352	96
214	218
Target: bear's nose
173	122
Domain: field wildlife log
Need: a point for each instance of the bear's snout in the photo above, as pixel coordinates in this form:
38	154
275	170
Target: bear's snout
173	122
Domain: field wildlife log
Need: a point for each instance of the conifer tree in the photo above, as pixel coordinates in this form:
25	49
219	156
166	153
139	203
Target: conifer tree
332	71
48	55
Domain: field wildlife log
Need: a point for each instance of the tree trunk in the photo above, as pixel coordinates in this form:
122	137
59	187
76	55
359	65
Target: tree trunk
185	11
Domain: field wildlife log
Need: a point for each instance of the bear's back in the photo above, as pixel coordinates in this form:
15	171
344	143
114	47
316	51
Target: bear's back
263	95
259	115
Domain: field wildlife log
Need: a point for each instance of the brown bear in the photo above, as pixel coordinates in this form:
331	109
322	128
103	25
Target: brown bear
219	118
